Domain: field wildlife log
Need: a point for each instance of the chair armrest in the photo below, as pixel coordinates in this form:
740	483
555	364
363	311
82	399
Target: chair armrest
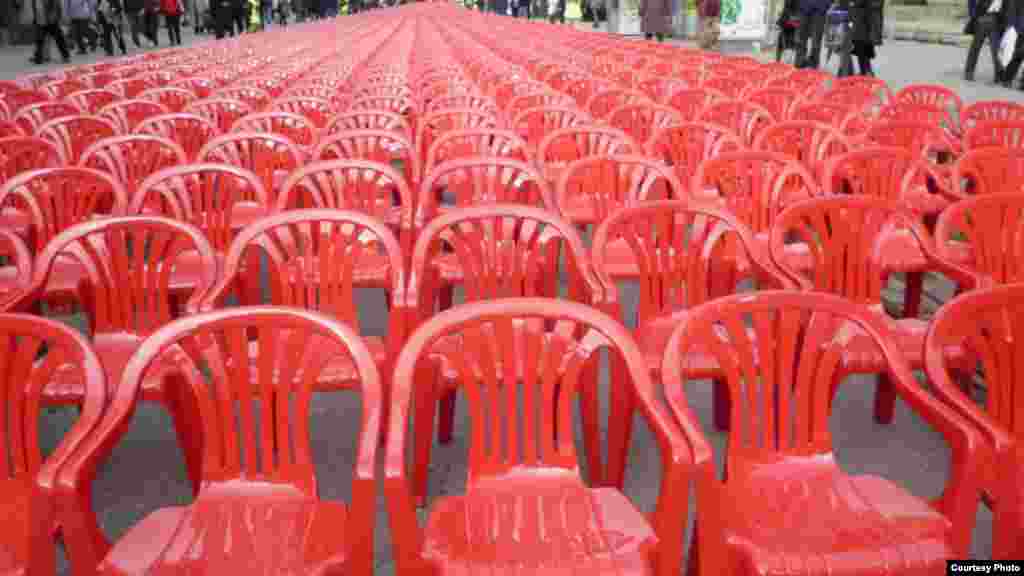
405	530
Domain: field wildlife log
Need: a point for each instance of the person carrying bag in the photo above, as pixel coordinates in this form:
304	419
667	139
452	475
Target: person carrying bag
985	24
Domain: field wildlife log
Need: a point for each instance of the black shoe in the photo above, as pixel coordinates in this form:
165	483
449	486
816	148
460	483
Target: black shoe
135	40
66	59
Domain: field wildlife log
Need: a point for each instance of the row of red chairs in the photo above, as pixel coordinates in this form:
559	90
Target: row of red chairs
507	251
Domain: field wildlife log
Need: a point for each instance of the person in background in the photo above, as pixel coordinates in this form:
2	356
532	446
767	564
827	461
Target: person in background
656	18
151	20
111	18
812	30
709	15
868	17
985	23
81	12
1014	18
133	11
223	14
46	15
238	15
267	13
172	11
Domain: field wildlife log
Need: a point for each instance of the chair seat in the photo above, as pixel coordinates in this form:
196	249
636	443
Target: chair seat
372	269
244	528
919	200
653	337
538	524
16	513
811	518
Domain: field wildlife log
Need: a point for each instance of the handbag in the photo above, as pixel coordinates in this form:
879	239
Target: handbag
1007	46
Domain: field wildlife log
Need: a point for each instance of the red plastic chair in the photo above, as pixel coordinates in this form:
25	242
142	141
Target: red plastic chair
681	254
989	110
317	111
776	100
905	111
30	118
892	173
480	180
73	134
436	123
201	87
189	131
685	146
602	103
997	133
810	143
211	197
292	126
456	144
127	293
270	156
806	82
988	324
368	120
989	171
131	159
561	147
854	243
403	106
222	112
248	494
584	88
381	146
253	97
36	349
92	100
832	113
880	90
744	118
174	100
641	120
23	153
784	501
132	87
16	270
48	201
128	114
539	471
734	87
461	101
534	124
932	95
592	188
58	90
492	252
659	87
22	98
542	97
983	234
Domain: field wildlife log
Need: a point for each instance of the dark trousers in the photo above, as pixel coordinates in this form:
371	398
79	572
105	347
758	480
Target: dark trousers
83	35
1014	66
151	23
239	14
812	31
986	29
224	16
174	29
43	32
112	30
137	24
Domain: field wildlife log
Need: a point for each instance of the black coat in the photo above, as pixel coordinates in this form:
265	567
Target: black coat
868	20
133	6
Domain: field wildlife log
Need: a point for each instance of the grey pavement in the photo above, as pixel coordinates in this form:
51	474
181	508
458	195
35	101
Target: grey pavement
146	469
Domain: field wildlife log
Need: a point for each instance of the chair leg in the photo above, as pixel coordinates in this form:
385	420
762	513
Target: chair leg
722	404
446	415
590	415
885	400
423	440
912	295
620	425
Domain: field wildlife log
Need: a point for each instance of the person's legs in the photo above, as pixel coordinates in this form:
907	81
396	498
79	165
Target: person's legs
995	34
803	41
817	37
173	29
118	26
78	34
267	17
58	38
972	53
40	39
107	32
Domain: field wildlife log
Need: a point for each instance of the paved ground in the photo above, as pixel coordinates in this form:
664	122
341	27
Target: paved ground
146	469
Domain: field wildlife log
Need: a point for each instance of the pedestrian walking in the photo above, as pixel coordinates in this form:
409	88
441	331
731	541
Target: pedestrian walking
133	13
655	18
986	22
238	15
110	14
151	20
81	13
46	16
1014	18
709	17
267	13
868	20
812	15
223	14
172	11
